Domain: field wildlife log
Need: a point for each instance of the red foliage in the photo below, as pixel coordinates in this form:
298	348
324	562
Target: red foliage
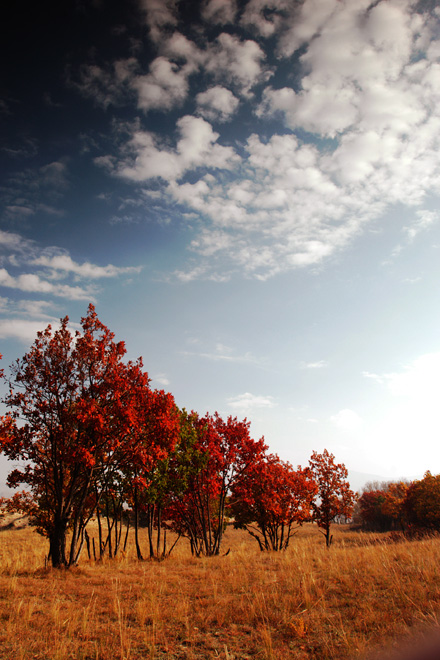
271	500
76	402
212	460
334	495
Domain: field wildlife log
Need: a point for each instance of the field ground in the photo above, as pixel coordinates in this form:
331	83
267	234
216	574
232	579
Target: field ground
363	594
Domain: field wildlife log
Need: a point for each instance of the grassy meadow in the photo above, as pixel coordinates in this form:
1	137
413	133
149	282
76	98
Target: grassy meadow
309	602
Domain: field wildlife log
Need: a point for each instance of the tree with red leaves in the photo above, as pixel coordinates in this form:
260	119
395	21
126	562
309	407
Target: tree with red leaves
272	500
73	410
156	435
213	457
380	506
334	495
422	504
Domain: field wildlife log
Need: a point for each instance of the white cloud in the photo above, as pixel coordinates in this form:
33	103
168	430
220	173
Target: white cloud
216	103
197	147
237	62
21	255
425	219
22	329
160	14
366	90
347	420
320	364
223	356
162	379
219	12
64	262
266	16
31	282
165	86
247	401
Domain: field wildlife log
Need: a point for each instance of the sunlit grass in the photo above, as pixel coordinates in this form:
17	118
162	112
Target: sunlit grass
306	603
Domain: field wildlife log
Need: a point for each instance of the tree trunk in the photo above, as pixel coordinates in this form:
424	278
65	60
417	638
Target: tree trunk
57	544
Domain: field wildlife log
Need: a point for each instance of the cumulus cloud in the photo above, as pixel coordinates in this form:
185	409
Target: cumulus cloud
24	330
196	147
165	86
266	16
31	282
216	103
160	15
239	63
363	96
219	12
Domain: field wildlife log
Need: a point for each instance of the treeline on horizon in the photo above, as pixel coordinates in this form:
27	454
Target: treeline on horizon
96	442
411	507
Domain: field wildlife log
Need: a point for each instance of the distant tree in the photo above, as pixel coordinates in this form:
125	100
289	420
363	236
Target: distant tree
369	510
380	506
422	503
272	500
334	497
72	412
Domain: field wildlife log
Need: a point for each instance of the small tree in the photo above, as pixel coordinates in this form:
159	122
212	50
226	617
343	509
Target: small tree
272	500
334	495
212	460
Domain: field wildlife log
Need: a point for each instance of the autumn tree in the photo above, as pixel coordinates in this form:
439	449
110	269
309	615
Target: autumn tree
214	458
380	506
272	500
154	440
71	401
422	503
334	497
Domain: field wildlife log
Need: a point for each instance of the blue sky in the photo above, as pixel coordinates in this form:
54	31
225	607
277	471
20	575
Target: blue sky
249	194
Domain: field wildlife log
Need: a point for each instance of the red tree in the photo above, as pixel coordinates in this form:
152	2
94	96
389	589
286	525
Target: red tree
334	495
155	437
271	501
211	460
422	503
73	409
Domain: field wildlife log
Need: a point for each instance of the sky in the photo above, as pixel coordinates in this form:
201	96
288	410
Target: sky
248	192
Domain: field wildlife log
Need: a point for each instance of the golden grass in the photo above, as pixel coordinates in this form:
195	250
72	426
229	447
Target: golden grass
306	603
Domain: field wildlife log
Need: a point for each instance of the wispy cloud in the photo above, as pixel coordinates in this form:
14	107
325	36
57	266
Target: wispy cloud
223	356
30	282
247	402
319	364
26	267
61	261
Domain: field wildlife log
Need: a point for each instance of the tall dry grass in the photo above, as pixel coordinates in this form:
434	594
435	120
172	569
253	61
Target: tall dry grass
306	603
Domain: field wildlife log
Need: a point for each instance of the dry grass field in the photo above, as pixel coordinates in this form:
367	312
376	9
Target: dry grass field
309	602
